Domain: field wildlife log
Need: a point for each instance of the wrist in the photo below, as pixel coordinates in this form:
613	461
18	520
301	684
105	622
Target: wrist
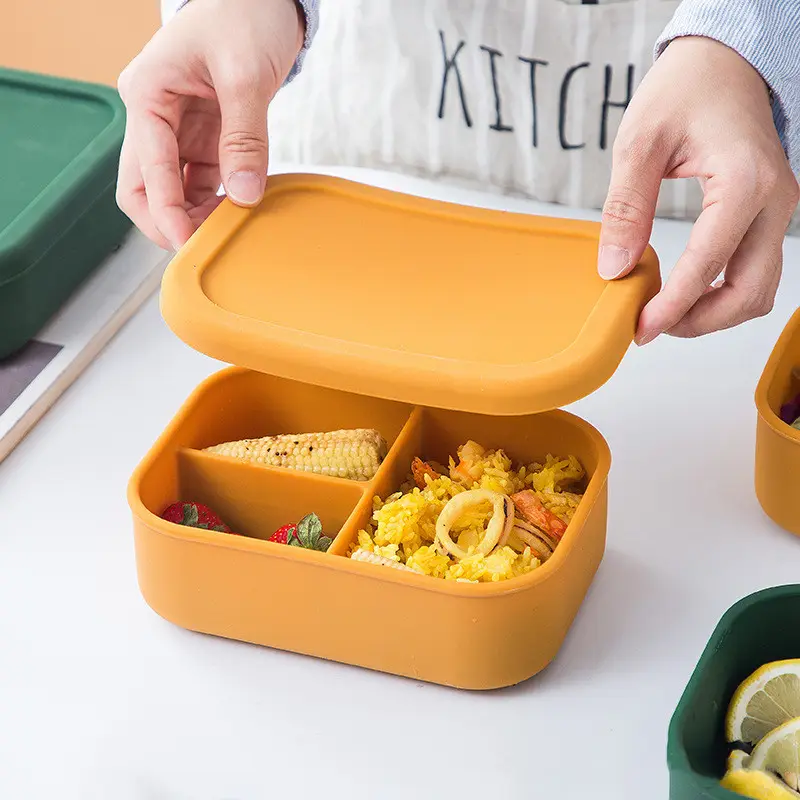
714	56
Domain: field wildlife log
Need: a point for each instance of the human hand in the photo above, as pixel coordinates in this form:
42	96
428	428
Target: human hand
196	99
702	111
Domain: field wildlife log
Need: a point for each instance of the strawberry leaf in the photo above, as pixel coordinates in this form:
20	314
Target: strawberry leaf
190	515
309	529
324	543
292	538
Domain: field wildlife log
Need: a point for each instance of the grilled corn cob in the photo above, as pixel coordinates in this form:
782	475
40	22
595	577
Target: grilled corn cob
351	454
374	558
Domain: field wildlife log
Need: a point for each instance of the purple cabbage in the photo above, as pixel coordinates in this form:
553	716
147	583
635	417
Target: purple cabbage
791	411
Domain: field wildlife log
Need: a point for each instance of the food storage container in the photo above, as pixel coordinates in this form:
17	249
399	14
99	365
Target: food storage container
59	150
347	306
777	471
760	628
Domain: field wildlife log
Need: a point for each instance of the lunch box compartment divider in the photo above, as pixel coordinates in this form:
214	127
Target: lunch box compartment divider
254	500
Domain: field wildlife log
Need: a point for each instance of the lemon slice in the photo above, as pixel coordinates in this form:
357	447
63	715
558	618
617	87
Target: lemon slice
779	751
737	760
767	699
757	785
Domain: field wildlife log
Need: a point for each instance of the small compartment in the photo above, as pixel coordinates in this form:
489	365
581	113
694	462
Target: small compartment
777	462
255	502
761	628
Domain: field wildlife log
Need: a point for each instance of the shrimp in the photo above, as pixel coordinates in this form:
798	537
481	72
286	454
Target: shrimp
468	467
531	508
419	469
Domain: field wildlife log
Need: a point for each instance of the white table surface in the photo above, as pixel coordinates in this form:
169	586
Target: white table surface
101	698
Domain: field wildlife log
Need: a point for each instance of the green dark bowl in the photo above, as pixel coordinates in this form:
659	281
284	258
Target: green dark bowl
761	628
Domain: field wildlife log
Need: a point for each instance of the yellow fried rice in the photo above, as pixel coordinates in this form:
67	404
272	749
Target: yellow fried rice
403	526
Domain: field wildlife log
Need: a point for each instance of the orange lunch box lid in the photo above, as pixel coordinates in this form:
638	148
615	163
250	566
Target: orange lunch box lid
350	287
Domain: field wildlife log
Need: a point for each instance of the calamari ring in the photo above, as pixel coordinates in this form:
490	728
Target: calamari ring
499	525
533	538
510	522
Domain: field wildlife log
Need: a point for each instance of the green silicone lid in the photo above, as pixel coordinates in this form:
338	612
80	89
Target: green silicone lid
57	141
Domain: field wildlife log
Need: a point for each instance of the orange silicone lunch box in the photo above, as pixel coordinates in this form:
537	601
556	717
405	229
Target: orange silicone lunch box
346	306
777	467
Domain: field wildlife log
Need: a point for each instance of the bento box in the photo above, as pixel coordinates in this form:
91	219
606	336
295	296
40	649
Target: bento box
59	149
759	629
431	323
777	464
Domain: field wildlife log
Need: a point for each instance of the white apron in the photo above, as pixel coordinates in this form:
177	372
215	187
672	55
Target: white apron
517	96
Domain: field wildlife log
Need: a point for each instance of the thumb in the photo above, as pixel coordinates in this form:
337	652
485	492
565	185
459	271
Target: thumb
243	146
629	210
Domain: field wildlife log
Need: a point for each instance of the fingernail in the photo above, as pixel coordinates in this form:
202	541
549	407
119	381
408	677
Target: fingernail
647	338
612	261
245	188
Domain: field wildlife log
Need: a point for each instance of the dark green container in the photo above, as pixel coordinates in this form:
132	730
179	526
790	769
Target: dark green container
59	151
761	628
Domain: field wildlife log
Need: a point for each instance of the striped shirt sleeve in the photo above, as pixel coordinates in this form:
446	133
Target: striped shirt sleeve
764	32
311	10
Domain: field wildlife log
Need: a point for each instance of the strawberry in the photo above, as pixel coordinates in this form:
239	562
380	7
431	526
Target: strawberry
307	534
282	535
195	515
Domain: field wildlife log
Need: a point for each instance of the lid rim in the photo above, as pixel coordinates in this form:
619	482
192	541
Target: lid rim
564	377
